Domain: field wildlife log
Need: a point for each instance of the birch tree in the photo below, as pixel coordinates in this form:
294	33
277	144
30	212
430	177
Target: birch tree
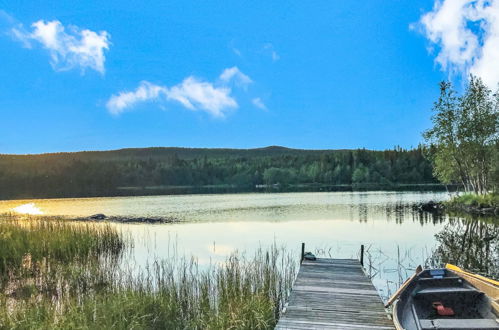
464	138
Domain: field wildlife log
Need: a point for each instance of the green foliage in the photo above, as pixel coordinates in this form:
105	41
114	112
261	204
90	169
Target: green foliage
463	141
277	175
361	175
481	201
127	171
494	173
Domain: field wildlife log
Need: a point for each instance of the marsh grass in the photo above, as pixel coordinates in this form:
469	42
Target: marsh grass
490	200
31	244
78	283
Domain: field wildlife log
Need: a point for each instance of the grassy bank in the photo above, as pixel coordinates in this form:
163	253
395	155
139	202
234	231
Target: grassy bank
59	274
473	203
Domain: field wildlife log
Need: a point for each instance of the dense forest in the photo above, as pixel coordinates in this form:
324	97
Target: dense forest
170	170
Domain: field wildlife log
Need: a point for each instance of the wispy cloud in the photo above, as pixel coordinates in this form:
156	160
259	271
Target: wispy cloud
145	92
237	51
465	34
6	18
234	74
257	102
270	49
192	93
69	47
234	49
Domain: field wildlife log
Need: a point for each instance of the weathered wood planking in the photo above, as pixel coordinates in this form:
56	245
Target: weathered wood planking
334	294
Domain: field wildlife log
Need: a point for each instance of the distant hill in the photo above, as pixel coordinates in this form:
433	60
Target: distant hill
167	152
161	170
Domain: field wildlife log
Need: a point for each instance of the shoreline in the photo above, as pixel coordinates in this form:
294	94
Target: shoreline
220	190
98	218
448	207
122	219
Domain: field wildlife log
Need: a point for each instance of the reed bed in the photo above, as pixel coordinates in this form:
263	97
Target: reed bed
29	244
82	285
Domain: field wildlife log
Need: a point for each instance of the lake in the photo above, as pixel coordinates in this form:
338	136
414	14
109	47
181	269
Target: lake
332	224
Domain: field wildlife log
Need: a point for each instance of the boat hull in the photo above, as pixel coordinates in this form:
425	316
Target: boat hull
445	299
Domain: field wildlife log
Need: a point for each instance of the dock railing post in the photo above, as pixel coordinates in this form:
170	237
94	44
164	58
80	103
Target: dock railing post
302	252
362	255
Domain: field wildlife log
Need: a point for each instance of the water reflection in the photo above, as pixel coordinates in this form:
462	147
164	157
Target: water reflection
335	224
238	207
28	208
425	218
471	243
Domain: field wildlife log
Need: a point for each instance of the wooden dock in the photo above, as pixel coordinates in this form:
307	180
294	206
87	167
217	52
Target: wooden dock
334	294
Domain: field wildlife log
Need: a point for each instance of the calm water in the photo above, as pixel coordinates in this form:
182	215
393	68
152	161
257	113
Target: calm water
213	226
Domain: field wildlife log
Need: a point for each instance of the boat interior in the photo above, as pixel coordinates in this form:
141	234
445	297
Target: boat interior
439	299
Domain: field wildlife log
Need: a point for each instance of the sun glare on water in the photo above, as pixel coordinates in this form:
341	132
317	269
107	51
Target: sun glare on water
29	208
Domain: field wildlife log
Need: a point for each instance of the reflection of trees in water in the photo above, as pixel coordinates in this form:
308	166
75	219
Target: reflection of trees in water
398	211
470	243
428	217
363	212
403	211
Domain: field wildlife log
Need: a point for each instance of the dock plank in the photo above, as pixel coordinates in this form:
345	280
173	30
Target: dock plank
334	294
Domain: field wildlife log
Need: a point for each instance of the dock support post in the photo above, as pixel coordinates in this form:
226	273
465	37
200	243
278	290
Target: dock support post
302	252
362	255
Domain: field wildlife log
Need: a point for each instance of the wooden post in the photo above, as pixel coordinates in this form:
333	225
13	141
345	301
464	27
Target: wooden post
302	252
362	255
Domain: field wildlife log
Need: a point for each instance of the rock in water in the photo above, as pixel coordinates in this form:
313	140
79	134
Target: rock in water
430	206
98	216
309	256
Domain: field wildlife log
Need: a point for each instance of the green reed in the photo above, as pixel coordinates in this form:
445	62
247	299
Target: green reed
83	290
31	243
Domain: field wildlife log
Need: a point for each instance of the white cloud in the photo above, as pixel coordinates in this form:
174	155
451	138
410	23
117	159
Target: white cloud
192	93
466	34
235	74
257	102
68	47
145	92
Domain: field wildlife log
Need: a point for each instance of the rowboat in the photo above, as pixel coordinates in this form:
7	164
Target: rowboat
448	298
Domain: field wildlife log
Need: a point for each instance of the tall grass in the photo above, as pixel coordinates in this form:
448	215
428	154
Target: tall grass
31	243
87	293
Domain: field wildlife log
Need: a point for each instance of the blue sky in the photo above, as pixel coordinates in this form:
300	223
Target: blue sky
303	74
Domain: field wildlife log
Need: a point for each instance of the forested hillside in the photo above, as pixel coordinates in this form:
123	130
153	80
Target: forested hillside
165	170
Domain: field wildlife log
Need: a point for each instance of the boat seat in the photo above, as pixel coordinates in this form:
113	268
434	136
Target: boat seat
445	290
422	279
453	279
458	324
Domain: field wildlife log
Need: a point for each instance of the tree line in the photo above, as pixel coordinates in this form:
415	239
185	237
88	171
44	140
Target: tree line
131	171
